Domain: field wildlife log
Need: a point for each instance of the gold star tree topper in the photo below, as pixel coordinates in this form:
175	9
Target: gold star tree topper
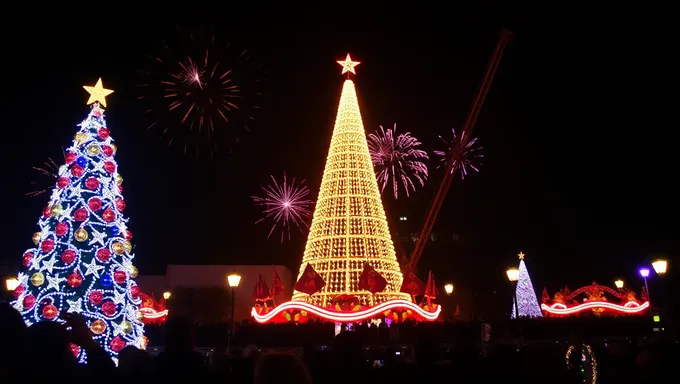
521	255
348	65
97	93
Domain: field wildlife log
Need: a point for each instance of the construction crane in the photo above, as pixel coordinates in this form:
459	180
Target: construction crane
453	163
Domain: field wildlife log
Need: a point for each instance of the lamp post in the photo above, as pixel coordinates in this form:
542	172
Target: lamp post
234	279
660	266
644	272
167	295
619	284
448	288
11	284
513	276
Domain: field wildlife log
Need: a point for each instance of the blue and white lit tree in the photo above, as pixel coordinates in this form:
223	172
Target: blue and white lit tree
82	260
525	294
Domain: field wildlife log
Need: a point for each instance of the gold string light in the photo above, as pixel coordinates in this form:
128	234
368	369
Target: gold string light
349	227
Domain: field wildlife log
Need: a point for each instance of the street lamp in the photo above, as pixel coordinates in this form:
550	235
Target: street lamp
233	280
167	295
448	288
11	284
660	266
618	283
644	272
513	276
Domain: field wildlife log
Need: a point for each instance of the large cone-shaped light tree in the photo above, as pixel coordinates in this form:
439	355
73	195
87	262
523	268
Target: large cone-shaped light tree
349	256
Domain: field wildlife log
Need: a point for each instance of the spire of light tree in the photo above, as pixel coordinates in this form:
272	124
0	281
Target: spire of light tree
82	260
349	227
525	294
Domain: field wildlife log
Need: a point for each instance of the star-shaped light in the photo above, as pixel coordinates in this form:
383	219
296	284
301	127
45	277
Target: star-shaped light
97	93
521	255
98	237
75	305
348	65
118	297
92	268
49	264
118	329
53	282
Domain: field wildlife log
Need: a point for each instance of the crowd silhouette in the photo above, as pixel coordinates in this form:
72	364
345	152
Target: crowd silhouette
43	351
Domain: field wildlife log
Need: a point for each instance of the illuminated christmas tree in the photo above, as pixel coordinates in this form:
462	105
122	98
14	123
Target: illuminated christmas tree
82	261
349	269
525	294
349	227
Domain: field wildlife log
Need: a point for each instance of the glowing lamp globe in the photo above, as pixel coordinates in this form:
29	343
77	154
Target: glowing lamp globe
448	288
513	274
660	266
167	295
234	280
644	272
11	284
618	283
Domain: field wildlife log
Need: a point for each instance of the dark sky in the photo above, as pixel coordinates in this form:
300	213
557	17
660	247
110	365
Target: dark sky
576	173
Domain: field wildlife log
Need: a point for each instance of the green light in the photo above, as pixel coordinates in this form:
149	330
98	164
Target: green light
657	318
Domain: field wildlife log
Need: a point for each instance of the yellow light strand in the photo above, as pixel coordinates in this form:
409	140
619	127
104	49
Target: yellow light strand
349	227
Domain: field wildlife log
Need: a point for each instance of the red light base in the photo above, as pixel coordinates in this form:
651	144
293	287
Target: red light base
629	308
299	311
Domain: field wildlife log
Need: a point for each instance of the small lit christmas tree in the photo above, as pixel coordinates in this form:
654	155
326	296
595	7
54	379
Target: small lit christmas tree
82	262
525	294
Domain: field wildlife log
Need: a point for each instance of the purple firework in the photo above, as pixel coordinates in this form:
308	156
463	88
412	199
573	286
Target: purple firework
397	159
285	205
469	158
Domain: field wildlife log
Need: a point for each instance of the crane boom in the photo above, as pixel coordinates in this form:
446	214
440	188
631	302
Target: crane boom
453	162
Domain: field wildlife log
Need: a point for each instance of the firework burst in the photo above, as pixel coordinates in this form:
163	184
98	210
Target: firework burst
50	172
470	158
285	205
397	159
200	94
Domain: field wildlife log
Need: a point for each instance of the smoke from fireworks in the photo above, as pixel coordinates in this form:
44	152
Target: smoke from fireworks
470	157
284	205
200	94
397	159
49	170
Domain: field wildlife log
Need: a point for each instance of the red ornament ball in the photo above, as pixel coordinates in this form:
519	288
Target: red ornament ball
109	308
61	229
70	157
95	297
29	301
27	258
119	276
103	255
68	256
134	291
108	151
117	344
63	182
109	215
110	166
92	183
120	204
95	204
75	350
18	291
74	280
50	311
47	212
81	214
77	170
103	133
47	245
128	235
120	188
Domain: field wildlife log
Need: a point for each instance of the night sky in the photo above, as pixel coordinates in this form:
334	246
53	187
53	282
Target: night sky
577	173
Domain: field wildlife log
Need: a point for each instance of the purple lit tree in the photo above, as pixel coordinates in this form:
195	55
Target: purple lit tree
525	294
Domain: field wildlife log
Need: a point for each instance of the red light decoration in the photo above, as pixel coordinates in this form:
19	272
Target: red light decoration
152	314
629	308
152	311
567	303
347	317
